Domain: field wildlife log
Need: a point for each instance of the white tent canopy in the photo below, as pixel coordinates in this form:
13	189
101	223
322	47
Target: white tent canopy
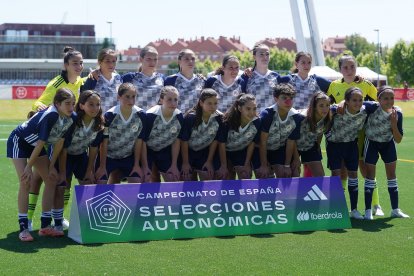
325	72
370	75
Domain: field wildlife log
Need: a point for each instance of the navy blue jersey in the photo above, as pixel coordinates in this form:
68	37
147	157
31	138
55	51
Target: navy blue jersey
305	88
261	86
148	87
79	139
107	89
189	89
160	132
45	125
280	130
378	126
204	134
227	93
123	132
240	139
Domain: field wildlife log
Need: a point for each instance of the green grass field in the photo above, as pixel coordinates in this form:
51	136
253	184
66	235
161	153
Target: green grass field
383	246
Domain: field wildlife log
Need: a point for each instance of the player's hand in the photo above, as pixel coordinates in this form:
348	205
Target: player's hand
248	72
222	173
393	118
41	106
26	176
186	171
174	173
89	177
208	166
94	74
100	173
262	172
53	175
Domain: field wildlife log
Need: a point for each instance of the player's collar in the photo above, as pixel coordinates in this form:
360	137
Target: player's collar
184	78
291	112
262	76
225	85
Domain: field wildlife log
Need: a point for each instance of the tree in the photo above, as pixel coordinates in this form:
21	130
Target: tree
105	43
358	44
401	59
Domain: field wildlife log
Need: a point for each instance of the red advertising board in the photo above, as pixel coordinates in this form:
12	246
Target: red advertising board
27	91
402	94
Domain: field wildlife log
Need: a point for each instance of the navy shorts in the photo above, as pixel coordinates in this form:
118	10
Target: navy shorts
162	158
198	158
277	157
238	157
18	148
76	165
125	165
372	150
311	155
338	152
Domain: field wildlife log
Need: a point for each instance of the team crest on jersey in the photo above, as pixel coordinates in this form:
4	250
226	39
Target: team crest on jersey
288	128
211	131
249	134
235	93
134	128
173	129
158	82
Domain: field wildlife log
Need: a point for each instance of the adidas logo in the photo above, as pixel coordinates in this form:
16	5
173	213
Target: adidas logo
302	216
315	194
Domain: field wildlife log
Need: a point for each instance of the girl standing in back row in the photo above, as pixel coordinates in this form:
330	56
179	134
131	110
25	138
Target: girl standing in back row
188	84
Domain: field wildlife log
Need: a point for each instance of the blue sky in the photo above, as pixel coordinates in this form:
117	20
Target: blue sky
137	22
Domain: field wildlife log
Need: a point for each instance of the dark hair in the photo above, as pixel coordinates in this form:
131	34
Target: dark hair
182	53
125	87
350	91
383	89
165	90
297	58
205	94
284	89
232	117
344	58
68	53
311	112
62	94
254	51
226	59
146	50
105	52
83	98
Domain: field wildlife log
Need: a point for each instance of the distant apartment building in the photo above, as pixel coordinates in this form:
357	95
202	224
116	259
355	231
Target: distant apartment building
48	40
334	45
289	44
205	48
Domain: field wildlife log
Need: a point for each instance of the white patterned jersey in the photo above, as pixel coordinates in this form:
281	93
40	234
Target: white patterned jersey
378	126
227	93
80	138
280	130
307	138
345	127
163	133
261	86
123	132
148	88
189	89
240	139
204	134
